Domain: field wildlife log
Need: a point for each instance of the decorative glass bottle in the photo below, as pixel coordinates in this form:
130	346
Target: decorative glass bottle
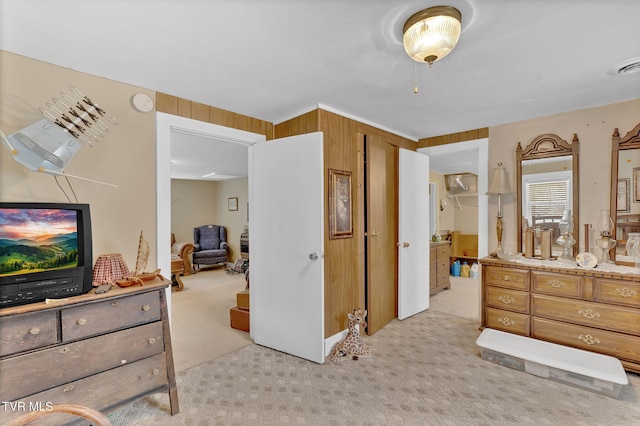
566	240
605	242
632	247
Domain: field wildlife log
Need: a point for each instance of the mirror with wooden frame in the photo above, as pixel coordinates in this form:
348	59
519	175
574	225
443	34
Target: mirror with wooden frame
624	206
547	185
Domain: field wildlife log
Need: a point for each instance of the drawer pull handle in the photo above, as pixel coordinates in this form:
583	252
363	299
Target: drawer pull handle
155	371
114	304
34	331
82	321
625	292
507	322
506	278
63	350
69	388
506	299
589	339
589	313
146	307
151	340
557	284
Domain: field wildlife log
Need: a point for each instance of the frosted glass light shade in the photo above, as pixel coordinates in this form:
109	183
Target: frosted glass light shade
431	34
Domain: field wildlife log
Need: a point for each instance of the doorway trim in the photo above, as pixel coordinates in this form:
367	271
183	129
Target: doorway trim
165	125
482	146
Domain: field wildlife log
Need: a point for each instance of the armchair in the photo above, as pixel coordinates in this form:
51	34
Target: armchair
210	245
183	251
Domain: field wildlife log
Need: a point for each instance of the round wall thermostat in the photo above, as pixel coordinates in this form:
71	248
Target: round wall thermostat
142	102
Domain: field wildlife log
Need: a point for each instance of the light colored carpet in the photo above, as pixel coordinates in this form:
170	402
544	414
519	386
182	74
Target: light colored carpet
200	327
426	370
462	299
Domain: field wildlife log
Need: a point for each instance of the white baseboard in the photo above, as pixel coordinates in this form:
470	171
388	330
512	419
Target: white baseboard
331	341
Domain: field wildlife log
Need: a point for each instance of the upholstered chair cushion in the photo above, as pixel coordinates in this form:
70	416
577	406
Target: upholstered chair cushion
210	245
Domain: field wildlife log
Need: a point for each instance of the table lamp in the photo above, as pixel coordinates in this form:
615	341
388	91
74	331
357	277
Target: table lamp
499	186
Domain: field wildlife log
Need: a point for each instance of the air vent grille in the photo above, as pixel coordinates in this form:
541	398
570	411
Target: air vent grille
628	67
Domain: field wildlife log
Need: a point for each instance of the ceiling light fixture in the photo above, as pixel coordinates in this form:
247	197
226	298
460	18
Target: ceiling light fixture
209	175
432	33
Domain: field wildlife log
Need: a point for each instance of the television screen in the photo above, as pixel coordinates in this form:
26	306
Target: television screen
37	240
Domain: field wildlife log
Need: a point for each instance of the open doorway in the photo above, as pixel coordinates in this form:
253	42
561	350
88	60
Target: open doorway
201	136
456	158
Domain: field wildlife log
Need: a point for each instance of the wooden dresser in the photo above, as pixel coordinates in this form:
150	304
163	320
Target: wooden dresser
101	351
439	266
589	309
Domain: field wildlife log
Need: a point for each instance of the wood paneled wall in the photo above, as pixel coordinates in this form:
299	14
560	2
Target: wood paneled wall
344	258
185	108
305	123
468	135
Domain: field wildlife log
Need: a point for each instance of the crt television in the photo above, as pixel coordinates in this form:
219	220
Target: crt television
45	251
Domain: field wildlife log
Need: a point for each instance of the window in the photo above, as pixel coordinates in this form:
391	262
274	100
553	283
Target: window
546	195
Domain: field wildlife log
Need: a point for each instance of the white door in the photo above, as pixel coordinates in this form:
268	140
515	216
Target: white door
286	189
413	233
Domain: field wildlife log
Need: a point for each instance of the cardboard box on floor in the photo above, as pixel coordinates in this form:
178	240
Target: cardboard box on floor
242	299
239	319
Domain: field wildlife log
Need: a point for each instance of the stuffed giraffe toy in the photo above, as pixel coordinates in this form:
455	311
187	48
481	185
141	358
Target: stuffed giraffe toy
352	344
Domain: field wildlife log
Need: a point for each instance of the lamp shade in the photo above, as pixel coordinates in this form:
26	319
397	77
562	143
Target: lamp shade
499	184
109	268
432	33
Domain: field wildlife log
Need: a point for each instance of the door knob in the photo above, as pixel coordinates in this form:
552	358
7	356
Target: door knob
405	244
313	256
375	234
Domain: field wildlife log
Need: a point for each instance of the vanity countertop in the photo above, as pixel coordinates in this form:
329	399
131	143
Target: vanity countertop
568	266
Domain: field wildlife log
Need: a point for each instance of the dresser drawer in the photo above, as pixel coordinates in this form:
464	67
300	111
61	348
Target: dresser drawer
507	321
27	374
443	265
442	278
101	391
590	339
503	298
598	315
507	277
444	251
24	332
618	292
556	284
113	314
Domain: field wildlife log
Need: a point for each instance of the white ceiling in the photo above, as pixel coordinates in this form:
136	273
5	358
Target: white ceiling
516	59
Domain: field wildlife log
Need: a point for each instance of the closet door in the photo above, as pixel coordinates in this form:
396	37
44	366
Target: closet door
381	233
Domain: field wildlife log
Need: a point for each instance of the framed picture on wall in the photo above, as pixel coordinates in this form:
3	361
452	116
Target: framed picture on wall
233	204
623	195
340	205
636	184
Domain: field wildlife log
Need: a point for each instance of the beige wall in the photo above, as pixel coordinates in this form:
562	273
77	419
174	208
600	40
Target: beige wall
466	215
125	157
195	203
594	127
233	220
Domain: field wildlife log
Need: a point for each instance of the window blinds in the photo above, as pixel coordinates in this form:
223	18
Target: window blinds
548	198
